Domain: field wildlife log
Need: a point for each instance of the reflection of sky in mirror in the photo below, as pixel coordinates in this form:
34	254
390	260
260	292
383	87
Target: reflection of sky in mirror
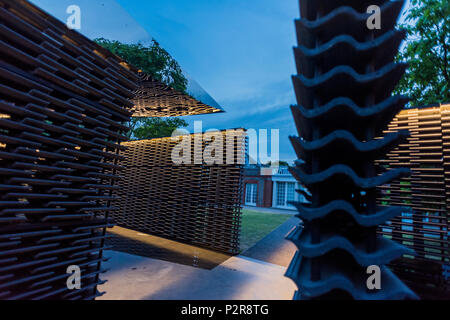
107	19
99	18
239	50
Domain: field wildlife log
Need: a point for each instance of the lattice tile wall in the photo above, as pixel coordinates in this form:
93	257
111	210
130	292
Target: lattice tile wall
155	99
63	104
427	191
196	203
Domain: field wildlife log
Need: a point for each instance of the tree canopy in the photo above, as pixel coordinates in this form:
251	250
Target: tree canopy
280	163
151	128
151	59
427	50
158	63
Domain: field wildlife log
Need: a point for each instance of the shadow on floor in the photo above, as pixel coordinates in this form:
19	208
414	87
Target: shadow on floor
239	278
274	248
145	245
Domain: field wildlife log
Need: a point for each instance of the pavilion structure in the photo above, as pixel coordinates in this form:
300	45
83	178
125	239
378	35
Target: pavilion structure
64	108
427	191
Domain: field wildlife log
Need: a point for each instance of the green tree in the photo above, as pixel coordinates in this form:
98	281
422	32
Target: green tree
151	128
151	59
276	163
158	63
427	51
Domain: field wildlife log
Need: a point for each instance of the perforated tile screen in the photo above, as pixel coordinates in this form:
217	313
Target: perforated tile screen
155	99
63	104
427	191
194	203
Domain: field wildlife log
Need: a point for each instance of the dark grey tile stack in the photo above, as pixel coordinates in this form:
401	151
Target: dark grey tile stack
346	75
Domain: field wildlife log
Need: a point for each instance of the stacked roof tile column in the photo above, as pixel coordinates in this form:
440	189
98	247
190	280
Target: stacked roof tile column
64	101
345	78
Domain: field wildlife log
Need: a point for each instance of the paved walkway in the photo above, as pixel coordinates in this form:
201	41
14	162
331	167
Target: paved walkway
274	248
257	274
239	278
271	210
145	245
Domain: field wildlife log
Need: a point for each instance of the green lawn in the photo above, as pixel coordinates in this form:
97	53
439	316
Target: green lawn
256	225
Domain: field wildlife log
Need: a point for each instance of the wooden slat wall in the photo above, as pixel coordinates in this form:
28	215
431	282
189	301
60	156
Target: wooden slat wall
198	204
63	105
426	230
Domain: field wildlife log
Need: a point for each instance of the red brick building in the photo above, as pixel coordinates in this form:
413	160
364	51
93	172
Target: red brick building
270	188
257	188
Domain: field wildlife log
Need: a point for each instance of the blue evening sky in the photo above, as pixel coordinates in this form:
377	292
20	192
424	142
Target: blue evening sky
240	51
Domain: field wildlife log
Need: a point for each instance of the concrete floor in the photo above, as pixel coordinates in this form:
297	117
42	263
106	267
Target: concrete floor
274	248
257	274
239	278
145	245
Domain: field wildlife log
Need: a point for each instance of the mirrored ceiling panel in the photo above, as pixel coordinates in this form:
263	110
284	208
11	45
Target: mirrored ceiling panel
108	20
